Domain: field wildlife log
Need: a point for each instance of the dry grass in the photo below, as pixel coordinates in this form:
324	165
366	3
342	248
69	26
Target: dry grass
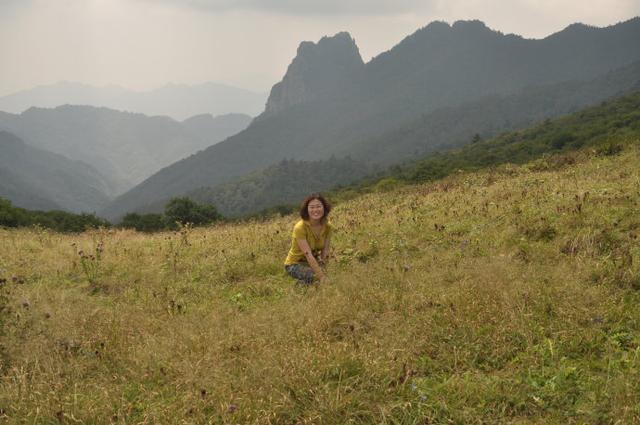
508	296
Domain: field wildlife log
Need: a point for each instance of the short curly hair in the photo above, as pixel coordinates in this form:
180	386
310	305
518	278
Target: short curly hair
304	207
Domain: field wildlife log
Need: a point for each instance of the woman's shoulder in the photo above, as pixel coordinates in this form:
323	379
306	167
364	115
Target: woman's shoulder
300	228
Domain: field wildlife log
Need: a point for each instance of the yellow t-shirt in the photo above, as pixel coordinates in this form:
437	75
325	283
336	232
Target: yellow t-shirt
302	230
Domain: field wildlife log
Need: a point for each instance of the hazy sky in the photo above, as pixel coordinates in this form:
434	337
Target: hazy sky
143	44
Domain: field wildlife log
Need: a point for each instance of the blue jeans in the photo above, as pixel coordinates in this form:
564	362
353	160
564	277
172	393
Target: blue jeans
303	272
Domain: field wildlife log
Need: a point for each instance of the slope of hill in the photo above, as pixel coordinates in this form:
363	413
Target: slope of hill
37	179
284	184
618	119
127	147
439	130
178	101
453	127
439	66
502	296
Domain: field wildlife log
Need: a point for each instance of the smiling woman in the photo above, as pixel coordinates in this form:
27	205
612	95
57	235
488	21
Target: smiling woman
310	241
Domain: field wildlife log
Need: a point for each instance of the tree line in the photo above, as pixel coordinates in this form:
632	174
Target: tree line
177	211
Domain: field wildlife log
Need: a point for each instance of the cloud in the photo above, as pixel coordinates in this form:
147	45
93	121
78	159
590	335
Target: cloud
143	44
311	7
8	8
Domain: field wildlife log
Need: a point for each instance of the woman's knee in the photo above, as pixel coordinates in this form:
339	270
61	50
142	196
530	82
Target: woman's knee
300	272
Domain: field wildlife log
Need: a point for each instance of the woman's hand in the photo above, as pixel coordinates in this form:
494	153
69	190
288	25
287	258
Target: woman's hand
311	260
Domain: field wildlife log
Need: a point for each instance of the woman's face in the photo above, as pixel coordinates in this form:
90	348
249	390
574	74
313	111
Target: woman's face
315	209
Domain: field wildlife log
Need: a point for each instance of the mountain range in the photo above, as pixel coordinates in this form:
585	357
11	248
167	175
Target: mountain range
126	147
177	101
40	180
434	90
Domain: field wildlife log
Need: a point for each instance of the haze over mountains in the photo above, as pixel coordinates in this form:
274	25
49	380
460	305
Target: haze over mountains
435	89
37	179
124	146
178	101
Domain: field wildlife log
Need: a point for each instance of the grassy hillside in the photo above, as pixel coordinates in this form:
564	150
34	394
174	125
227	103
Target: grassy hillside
501	296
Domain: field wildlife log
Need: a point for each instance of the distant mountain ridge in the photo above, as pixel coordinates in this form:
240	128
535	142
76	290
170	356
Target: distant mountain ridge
439	66
178	101
37	179
125	146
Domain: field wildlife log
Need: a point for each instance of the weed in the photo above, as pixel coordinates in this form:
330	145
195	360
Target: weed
609	149
90	262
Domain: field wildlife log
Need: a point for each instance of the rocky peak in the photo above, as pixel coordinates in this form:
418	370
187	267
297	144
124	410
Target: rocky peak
470	26
318	69
439	30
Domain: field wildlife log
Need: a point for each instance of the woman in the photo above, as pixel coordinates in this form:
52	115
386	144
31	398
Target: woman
310	241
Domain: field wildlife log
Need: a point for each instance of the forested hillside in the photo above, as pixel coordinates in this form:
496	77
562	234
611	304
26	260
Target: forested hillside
284	183
600	127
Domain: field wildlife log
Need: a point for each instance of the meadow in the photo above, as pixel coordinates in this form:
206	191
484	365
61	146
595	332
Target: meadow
506	295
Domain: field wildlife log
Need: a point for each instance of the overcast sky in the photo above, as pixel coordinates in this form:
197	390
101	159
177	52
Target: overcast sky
144	44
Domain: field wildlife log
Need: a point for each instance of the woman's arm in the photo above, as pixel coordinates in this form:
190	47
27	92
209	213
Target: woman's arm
304	246
325	251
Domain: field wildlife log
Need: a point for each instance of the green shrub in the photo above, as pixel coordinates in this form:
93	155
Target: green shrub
184	210
143	222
